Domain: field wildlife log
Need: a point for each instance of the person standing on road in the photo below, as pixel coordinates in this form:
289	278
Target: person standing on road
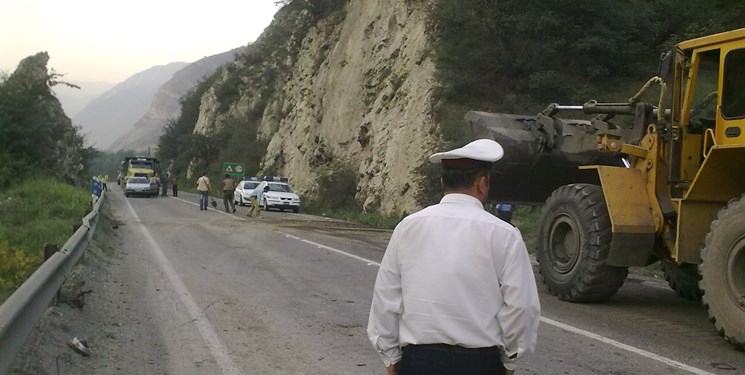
164	190
228	192
155	181
504	212
174	185
455	292
203	187
256	195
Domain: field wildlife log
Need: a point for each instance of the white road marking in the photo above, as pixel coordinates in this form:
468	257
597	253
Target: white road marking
554	323
218	349
626	347
368	261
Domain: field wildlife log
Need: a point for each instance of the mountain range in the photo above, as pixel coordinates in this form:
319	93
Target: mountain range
114	112
74	99
165	103
131	114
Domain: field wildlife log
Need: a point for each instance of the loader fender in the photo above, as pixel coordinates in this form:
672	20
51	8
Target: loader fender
630	213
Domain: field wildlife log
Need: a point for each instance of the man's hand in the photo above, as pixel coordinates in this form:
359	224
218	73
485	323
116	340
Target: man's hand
392	370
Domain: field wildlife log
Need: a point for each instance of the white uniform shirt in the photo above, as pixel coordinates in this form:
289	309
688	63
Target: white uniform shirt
455	274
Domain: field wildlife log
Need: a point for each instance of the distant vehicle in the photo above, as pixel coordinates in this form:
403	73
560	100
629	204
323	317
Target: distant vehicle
140	186
137	166
279	196
244	189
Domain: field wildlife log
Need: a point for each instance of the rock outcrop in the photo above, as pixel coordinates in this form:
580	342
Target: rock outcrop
355	93
38	131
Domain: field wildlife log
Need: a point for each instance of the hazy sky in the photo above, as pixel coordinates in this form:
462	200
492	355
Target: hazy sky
108	41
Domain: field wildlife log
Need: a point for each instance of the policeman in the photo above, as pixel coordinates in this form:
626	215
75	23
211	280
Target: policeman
455	292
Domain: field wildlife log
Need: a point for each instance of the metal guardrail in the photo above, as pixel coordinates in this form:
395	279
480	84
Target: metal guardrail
23	309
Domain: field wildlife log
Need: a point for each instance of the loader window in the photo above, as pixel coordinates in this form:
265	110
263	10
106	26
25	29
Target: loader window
704	108
733	95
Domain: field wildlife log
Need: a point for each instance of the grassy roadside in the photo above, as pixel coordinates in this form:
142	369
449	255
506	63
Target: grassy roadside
32	214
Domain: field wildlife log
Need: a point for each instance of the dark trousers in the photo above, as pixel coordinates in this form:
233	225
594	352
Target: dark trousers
227	199
175	190
441	359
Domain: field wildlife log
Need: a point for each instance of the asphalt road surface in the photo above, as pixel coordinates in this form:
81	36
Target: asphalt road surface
207	292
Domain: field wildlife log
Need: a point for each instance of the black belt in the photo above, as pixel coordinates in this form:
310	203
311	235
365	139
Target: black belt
453	348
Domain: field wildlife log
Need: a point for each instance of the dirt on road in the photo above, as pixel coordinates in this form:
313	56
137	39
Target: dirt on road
95	305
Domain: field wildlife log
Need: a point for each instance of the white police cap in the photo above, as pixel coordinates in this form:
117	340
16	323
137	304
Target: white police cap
481	150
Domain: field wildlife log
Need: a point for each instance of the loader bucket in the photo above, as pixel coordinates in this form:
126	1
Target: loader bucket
540	154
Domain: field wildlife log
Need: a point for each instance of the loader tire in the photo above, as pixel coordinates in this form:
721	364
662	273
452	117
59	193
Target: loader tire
683	279
722	271
573	243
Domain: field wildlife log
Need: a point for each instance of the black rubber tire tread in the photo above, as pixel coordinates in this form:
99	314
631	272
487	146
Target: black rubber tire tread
589	279
727	314
683	279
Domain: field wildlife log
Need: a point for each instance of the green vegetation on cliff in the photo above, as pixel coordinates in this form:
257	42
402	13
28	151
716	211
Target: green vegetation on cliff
36	137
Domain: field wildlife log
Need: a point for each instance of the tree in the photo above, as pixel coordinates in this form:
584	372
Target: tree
35	134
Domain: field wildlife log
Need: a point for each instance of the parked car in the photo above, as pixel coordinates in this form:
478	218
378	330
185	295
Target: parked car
244	189
279	196
140	186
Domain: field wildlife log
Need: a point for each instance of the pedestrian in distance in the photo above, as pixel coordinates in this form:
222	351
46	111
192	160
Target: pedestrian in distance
228	192
255	198
504	212
455	292
164	185
174	185
155	184
203	187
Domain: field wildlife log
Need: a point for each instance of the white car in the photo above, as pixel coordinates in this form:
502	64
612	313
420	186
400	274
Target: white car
140	186
243	191
279	195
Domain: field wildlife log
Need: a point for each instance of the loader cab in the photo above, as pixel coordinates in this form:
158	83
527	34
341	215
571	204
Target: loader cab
733	92
708	101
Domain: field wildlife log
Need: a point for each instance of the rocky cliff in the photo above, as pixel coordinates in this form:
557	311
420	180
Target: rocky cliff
354	91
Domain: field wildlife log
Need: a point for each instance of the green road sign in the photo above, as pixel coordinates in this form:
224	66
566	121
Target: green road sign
234	169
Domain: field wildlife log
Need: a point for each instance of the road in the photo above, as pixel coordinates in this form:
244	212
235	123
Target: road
206	292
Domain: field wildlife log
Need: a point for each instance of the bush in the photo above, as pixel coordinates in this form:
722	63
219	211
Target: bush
17	266
34	213
337	187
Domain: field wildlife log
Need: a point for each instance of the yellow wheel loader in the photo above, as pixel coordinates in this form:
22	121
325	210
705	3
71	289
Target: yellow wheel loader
635	182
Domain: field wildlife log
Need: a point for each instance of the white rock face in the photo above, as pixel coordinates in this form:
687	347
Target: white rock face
358	95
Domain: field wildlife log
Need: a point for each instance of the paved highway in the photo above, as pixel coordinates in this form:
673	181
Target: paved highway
205	292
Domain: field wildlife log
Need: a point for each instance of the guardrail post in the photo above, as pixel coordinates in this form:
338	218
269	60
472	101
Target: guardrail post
49	250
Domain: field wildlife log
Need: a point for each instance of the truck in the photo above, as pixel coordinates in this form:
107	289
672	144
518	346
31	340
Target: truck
636	182
137	166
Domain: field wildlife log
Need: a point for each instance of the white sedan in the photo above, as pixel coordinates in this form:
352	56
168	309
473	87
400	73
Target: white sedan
279	195
140	186
243	191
